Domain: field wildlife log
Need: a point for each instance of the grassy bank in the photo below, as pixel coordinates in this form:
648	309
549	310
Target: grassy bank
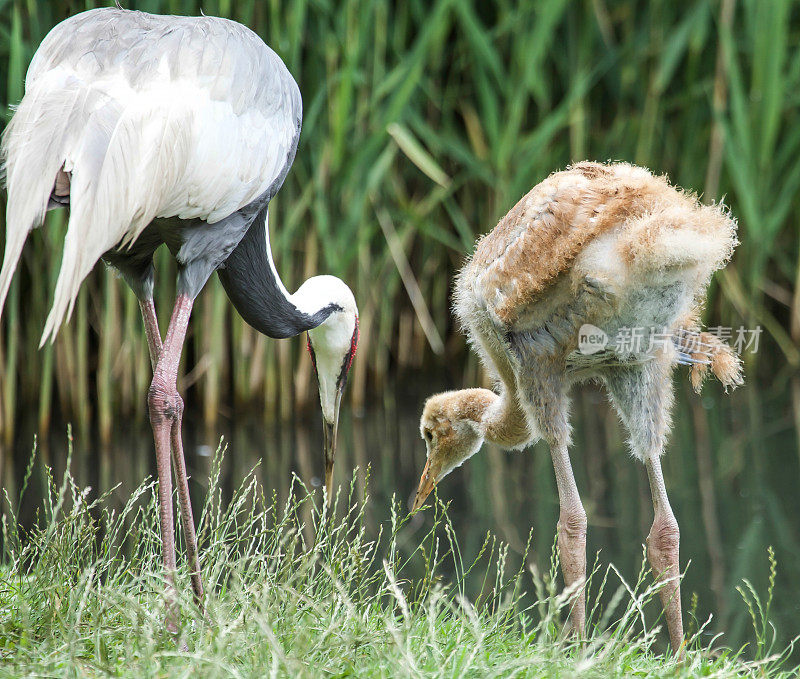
292	592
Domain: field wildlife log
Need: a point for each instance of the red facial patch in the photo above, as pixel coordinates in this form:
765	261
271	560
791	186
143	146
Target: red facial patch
353	345
348	361
311	352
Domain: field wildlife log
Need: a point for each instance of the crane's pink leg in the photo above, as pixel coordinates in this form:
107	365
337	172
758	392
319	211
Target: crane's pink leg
166	409
662	552
571	534
154	344
151	330
548	404
643	398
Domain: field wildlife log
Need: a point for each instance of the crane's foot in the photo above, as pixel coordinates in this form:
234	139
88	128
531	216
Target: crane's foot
172	616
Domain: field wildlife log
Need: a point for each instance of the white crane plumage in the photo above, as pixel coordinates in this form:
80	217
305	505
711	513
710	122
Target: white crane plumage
169	130
149	117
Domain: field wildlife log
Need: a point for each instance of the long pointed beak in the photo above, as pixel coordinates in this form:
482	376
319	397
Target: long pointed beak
426	485
330	433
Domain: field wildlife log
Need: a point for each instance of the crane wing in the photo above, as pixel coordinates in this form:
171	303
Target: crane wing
151	116
604	226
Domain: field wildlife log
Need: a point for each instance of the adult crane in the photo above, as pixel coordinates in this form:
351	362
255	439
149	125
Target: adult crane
177	131
590	258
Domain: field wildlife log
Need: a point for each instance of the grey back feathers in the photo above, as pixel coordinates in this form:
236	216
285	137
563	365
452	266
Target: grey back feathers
148	117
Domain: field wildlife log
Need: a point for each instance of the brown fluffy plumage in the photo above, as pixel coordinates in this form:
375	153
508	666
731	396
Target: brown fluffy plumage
610	248
655	226
725	364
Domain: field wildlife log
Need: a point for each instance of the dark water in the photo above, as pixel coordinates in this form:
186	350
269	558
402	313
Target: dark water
731	469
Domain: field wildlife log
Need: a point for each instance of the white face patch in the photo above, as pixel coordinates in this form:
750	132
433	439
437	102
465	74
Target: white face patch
332	342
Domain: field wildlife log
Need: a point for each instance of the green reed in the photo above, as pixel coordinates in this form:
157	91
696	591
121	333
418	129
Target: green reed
424	123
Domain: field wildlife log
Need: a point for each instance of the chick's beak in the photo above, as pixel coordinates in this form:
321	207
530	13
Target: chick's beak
330	432
426	485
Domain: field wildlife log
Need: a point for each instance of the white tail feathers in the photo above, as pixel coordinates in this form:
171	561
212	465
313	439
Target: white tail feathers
64	123
15	240
32	154
102	205
48	124
149	117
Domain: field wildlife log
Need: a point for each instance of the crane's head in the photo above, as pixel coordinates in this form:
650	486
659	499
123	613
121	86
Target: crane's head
452	431
332	346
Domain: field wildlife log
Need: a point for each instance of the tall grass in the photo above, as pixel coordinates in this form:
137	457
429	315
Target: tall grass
292	591
424	122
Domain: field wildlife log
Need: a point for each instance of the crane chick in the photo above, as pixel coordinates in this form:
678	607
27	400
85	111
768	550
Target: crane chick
552	297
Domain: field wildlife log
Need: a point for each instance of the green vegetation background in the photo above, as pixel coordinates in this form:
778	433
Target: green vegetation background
425	121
